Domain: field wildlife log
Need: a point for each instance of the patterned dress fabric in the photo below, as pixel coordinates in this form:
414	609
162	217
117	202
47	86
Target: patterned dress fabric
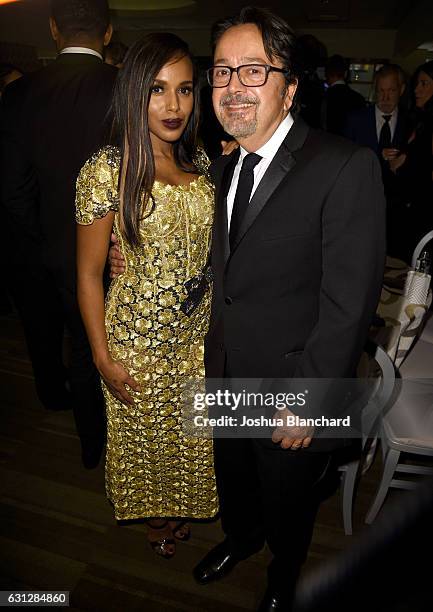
153	468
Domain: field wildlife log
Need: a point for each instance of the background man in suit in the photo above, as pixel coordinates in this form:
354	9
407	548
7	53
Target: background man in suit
297	257
384	128
51	122
339	99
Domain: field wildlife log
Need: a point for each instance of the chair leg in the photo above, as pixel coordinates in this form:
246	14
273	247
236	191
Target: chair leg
370	455
347	494
391	461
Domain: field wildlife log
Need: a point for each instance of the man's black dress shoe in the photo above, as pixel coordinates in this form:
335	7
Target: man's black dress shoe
275	602
216	564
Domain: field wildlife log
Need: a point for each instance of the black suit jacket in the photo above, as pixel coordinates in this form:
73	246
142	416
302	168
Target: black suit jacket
296	295
361	128
51	121
339	101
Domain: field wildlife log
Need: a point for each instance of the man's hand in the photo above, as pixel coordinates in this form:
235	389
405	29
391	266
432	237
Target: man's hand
115	258
397	163
390	153
291	437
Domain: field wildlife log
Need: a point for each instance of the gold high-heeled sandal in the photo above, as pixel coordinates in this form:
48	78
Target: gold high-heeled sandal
160	546
181	531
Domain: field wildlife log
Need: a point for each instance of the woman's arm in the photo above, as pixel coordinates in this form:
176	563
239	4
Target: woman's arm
92	248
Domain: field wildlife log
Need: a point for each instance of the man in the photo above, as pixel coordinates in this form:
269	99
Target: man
297	258
340	99
384	128
51	122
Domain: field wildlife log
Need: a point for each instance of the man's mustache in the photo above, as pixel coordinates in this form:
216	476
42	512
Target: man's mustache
237	99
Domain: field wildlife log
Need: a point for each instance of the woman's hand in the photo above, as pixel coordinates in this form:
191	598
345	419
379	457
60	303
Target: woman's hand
228	147
116	378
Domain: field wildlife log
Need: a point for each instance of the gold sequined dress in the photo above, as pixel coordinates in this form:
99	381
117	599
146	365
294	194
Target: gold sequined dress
152	468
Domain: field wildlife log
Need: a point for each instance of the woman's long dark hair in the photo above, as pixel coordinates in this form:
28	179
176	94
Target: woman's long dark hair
428	69
422	118
130	109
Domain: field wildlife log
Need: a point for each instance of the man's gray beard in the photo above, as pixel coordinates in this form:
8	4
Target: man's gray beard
240	129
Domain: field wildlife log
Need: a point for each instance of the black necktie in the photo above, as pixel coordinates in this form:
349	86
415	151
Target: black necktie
243	193
385	133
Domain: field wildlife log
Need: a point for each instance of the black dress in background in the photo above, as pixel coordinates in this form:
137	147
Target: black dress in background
414	213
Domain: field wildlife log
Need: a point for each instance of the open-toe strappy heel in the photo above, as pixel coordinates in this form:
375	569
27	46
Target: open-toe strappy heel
160	547
181	531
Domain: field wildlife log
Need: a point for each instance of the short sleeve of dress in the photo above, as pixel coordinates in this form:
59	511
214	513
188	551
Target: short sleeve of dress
97	191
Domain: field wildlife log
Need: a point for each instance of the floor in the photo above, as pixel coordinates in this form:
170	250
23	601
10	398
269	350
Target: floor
57	530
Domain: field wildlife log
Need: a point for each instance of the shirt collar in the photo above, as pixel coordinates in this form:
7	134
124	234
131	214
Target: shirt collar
269	149
84	50
380	113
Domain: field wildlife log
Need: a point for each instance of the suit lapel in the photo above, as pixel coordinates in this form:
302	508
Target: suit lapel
281	165
221	235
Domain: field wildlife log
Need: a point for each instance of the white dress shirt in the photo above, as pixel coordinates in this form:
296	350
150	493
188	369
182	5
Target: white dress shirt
380	121
267	152
84	50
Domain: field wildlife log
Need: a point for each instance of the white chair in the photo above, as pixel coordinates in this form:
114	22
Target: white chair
420	247
382	369
407	427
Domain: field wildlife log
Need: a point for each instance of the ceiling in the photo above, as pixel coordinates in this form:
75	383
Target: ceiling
25	21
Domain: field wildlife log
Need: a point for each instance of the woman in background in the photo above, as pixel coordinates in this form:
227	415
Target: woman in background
152	191
414	165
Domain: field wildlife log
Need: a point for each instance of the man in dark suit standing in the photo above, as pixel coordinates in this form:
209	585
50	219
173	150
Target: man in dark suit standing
384	125
51	122
297	258
340	99
384	128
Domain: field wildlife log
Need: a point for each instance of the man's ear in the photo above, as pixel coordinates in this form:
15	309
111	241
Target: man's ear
108	34
54	29
289	95
402	88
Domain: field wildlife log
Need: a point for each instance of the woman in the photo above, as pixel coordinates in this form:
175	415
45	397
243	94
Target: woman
414	165
152	192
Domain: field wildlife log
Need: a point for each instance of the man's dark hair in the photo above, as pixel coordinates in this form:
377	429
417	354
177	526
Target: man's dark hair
278	37
81	18
337	66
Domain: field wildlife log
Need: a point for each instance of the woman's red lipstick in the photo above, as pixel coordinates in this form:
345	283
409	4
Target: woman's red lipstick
172	124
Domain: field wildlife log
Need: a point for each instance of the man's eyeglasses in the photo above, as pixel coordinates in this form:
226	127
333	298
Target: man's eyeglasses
249	75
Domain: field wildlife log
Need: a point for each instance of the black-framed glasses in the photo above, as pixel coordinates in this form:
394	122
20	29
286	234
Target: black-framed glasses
249	75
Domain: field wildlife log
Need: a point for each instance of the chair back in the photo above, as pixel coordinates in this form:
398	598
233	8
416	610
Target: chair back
420	247
385	381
